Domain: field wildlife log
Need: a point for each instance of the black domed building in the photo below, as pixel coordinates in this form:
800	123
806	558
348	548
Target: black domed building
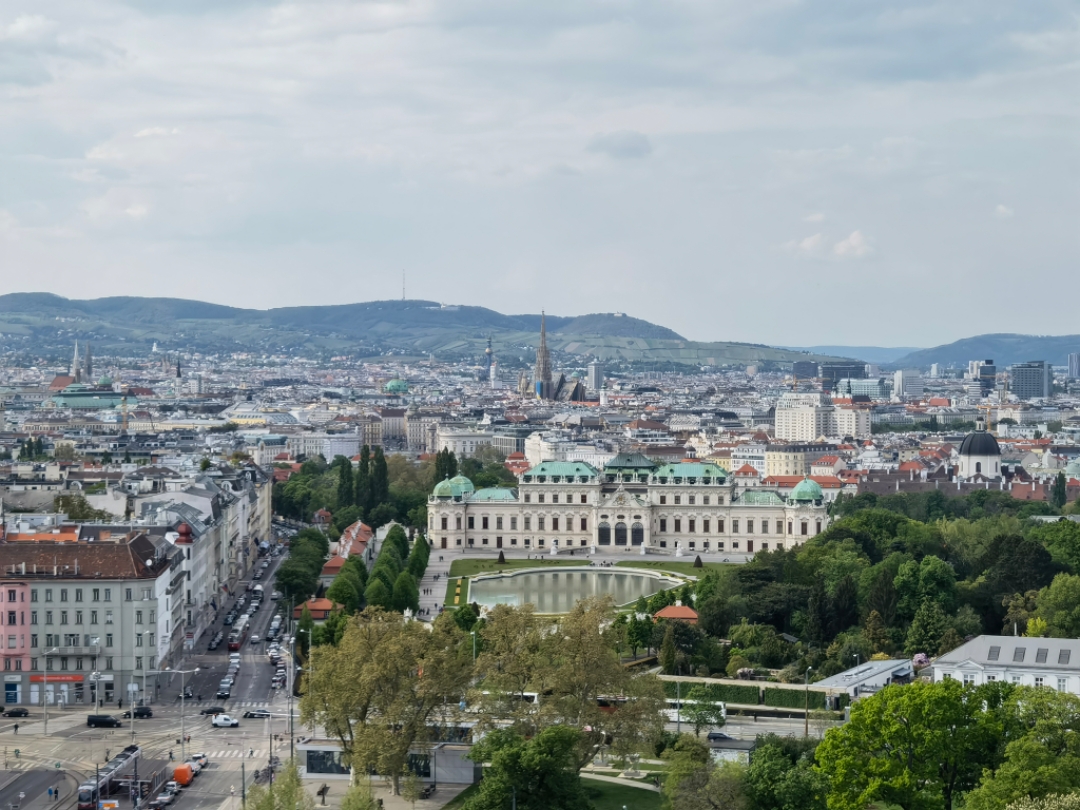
980	454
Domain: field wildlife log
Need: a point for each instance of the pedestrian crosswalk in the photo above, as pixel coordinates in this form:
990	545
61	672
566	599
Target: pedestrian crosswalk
238	752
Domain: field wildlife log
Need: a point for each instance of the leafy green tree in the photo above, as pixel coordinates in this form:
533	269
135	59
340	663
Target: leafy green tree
359	796
378	595
537	774
781	776
381	515
668	654
296	580
1058	494
465	617
346	492
343	591
287	790
405	595
381	688
380	478
362	480
702	710
1059	606
918	747
305	632
927	629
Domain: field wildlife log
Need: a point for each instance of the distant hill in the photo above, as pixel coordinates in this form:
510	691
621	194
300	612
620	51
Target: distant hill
43	325
1003	349
870	354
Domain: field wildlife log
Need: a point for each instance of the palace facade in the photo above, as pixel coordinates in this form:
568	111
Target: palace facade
630	503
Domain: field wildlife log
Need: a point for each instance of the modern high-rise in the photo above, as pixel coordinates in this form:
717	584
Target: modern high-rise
807	417
1032	380
595	376
983	372
907	383
1074	365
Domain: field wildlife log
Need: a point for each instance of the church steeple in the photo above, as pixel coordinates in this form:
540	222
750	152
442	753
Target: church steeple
542	372
76	364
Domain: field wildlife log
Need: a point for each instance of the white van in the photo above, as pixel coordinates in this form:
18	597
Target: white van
258	589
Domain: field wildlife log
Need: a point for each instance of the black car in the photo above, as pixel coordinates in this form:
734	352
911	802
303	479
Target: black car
187	695
256	714
17	713
223	694
230	619
213	645
718	736
141	713
213	710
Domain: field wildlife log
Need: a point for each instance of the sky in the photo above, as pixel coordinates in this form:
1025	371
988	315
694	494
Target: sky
777	171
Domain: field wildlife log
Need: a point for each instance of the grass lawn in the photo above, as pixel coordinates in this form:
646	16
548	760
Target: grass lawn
461	569
604	796
609	796
686	568
459	800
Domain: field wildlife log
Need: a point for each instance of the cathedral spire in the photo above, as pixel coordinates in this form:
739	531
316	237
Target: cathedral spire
542	372
76	365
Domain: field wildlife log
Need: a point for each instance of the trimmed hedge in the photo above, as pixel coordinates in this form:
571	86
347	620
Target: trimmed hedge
793	698
729	693
756	695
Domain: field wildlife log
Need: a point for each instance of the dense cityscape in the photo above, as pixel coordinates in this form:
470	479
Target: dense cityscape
751	571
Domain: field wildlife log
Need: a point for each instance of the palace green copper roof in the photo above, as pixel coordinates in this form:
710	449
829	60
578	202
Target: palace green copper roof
760	497
563	469
697	470
493	494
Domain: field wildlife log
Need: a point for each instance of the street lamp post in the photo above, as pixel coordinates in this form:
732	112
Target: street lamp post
858	660
45	687
183	693
131	703
806	703
473	634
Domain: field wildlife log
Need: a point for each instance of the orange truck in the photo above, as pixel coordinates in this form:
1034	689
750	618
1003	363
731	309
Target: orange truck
183	774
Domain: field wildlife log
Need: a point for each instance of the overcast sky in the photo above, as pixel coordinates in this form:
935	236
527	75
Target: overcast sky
799	173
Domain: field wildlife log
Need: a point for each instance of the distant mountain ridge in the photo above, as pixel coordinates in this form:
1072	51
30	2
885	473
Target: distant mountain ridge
44	323
880	355
1004	349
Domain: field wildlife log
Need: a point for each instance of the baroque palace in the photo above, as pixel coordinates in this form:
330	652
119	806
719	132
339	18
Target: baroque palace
630	505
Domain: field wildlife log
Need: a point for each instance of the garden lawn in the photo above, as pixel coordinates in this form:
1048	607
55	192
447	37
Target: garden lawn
463	569
610	796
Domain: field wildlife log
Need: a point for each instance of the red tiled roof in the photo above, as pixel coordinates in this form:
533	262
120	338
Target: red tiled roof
746	469
679	612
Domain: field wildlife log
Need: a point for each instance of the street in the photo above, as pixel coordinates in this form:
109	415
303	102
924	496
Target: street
231	751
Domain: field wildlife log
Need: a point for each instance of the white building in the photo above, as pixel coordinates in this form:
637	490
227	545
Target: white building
631	503
1053	663
808	417
462	442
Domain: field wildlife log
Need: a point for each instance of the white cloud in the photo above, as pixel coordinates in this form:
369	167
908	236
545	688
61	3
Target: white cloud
855	246
151	132
26	27
809	246
136	211
1003	212
817	216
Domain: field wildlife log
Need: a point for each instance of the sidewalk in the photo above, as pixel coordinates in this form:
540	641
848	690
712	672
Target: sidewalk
443	795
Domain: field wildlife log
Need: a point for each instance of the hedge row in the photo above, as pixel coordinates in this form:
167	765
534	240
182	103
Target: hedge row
729	693
756	695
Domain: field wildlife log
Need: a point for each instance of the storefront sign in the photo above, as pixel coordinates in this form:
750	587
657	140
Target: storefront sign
56	677
12	678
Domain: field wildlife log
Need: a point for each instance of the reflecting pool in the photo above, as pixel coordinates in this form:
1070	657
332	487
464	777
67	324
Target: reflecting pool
557	590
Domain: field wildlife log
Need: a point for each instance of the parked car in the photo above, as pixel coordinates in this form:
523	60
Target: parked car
17	713
718	736
166	798
256	714
224	721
